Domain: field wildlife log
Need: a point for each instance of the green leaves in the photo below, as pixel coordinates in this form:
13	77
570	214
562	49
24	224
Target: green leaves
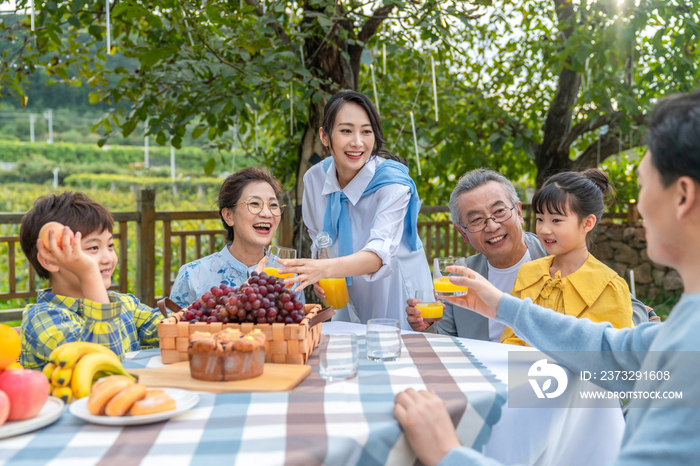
198	131
94	97
153	56
77	5
498	66
210	166
95	31
324	21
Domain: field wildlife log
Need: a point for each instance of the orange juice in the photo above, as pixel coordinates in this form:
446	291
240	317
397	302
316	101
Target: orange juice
336	290
430	312
444	285
275	272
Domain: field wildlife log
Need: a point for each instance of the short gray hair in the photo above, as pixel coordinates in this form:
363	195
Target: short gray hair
472	180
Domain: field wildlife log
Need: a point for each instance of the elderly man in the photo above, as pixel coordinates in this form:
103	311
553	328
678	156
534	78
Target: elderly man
487	212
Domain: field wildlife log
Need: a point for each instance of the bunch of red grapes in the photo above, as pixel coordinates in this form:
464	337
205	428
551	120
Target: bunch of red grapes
263	300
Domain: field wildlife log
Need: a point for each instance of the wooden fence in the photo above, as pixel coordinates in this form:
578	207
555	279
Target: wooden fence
439	238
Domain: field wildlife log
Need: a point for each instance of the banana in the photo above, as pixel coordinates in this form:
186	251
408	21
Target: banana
98	375
48	370
61	376
89	365
54	354
64	393
72	352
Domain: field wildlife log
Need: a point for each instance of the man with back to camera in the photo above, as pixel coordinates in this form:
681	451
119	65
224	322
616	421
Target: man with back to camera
487	212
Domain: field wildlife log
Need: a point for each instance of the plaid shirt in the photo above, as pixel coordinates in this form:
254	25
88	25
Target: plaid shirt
55	320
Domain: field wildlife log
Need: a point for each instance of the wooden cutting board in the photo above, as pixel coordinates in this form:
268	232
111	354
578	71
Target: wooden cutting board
275	378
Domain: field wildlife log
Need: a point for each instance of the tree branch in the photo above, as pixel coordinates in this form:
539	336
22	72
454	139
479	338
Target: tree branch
274	24
331	30
609	145
551	156
218	57
587	126
371	25
368	30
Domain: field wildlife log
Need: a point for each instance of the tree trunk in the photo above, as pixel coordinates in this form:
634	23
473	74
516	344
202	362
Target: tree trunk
325	54
327	57
310	145
553	156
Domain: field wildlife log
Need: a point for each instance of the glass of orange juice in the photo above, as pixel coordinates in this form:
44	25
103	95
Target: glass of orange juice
441	278
277	253
336	290
430	309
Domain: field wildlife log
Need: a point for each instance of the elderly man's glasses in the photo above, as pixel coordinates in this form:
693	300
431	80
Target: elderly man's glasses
479	224
255	206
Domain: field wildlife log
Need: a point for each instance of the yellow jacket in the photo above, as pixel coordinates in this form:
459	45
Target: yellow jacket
594	291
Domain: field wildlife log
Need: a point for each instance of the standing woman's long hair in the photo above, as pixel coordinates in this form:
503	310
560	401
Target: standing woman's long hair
334	105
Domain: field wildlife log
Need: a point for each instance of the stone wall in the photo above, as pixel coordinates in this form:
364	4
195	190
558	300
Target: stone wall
624	248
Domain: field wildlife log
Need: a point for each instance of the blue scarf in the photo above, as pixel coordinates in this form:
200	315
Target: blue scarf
336	220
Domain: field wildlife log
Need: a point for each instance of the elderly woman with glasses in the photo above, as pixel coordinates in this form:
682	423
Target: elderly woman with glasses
250	212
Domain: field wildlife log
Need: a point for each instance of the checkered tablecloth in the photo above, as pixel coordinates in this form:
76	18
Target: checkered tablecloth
336	423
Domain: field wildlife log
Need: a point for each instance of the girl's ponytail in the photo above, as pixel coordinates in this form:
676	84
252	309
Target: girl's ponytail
600	178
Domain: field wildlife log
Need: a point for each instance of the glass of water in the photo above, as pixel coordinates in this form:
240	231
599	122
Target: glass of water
383	339
339	357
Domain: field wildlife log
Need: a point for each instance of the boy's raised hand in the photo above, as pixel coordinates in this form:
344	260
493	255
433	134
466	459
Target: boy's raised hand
68	256
72	258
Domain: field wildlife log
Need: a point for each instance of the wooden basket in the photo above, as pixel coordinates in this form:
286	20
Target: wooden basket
286	343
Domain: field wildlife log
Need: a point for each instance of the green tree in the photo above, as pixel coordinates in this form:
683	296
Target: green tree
581	78
217	62
529	88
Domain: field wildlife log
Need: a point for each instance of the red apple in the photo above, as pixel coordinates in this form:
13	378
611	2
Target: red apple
27	390
58	232
4	407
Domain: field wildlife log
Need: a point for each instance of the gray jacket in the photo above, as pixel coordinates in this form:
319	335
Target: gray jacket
468	324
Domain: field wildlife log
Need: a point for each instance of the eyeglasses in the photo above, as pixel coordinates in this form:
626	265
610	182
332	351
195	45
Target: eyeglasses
479	224
255	206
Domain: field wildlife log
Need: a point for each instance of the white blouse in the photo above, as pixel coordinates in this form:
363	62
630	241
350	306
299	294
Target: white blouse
377	225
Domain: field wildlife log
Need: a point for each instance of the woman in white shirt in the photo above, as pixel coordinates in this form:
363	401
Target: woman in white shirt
363	197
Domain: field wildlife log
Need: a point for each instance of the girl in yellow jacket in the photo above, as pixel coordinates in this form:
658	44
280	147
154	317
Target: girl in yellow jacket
571	281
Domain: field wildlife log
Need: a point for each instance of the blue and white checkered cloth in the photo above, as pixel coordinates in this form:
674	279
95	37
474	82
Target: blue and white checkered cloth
348	422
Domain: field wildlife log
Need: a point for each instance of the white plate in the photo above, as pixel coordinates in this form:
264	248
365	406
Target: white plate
48	415
184	400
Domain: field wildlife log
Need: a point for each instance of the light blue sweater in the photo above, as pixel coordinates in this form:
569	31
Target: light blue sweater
657	431
197	277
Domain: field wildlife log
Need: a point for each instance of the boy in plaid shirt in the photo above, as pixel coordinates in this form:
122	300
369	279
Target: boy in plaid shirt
78	306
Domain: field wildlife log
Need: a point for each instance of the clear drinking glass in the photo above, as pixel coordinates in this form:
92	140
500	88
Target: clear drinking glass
338	359
275	254
430	309
441	281
383	339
